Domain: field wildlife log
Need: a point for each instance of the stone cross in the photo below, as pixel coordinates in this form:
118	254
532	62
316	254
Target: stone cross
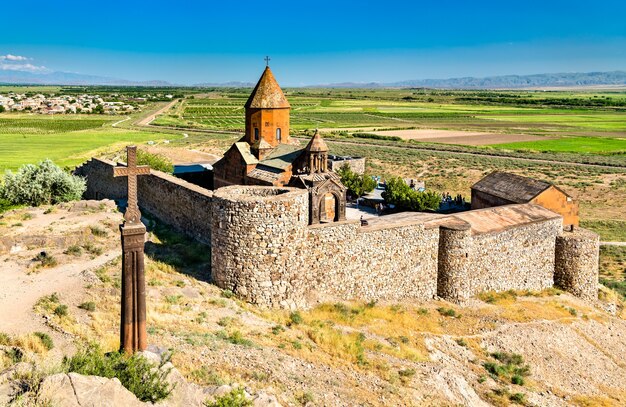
133	335
267	60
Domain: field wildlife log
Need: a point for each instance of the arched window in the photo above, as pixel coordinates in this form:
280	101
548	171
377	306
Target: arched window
278	135
256	133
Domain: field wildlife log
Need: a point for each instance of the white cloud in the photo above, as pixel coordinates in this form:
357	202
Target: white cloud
22	67
9	57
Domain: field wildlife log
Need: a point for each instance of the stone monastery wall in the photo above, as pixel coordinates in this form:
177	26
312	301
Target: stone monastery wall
180	204
263	249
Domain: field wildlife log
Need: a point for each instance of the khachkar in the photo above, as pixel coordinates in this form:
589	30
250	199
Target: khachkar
133	336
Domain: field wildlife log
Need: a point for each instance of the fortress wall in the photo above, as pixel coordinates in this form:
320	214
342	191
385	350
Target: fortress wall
518	258
182	205
576	268
391	263
257	241
100	181
455	247
356	165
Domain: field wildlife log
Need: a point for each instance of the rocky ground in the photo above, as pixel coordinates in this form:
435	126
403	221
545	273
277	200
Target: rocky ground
524	348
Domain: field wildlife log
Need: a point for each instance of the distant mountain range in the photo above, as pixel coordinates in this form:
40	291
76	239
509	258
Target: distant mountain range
489	82
69	78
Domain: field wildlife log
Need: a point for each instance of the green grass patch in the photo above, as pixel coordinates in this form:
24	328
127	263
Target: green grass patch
597	145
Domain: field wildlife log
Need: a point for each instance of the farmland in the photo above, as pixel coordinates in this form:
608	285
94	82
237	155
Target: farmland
67	140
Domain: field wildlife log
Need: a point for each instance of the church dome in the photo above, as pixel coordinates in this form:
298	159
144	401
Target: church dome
267	94
317	144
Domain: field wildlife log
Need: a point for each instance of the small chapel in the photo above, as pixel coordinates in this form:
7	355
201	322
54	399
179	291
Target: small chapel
267	155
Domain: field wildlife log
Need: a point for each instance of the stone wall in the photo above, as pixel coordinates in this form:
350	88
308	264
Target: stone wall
383	263
357	164
576	268
184	206
257	240
265	252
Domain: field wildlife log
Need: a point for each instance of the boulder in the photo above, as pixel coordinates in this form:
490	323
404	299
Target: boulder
74	390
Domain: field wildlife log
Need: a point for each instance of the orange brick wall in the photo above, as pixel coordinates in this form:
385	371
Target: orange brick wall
556	201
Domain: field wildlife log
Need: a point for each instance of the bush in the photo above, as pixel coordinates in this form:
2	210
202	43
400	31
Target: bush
45	339
88	306
41	184
398	193
45	260
134	372
155	161
357	184
295	318
236	398
60	310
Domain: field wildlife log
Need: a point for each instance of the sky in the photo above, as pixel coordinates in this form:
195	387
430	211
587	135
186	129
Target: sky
312	42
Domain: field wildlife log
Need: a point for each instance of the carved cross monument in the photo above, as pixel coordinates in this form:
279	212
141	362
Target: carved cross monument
133	336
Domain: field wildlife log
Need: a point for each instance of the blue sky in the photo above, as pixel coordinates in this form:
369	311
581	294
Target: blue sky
312	42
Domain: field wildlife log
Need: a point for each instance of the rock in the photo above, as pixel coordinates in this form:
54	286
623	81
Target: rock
57	390
265	400
74	390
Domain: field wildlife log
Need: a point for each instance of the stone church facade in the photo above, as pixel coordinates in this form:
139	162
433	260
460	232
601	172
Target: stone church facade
267	155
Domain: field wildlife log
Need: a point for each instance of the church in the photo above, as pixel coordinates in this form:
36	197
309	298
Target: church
267	155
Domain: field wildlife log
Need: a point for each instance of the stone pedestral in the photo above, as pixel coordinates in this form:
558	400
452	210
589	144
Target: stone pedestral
133	336
576	263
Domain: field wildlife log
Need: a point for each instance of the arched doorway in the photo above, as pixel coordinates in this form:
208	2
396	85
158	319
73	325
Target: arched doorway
329	211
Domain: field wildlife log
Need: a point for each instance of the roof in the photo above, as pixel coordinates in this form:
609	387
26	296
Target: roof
514	188
317	144
264	174
187	168
261	144
246	154
282	156
500	218
267	94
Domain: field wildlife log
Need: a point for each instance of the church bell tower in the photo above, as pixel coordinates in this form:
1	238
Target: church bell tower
267	113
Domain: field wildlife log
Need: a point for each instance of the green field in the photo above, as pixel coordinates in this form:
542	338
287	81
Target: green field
596	145
67	140
528	112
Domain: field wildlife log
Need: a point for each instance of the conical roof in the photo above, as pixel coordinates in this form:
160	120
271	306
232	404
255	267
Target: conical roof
317	144
267	94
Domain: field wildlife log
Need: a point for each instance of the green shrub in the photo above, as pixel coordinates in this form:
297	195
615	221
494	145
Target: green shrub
98	231
295	318
519	398
155	161
4	339
88	306
44	183
60	310
398	193
134	372
74	250
517	379
45	339
236	398
447	312
45	260
227	294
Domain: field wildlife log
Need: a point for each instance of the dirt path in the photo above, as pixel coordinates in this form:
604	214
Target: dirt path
148	119
19	292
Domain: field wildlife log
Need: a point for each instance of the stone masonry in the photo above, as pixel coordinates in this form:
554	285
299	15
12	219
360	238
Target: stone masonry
263	249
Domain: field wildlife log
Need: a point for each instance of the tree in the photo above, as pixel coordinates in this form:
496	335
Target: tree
99	109
398	193
40	184
357	184
2	109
